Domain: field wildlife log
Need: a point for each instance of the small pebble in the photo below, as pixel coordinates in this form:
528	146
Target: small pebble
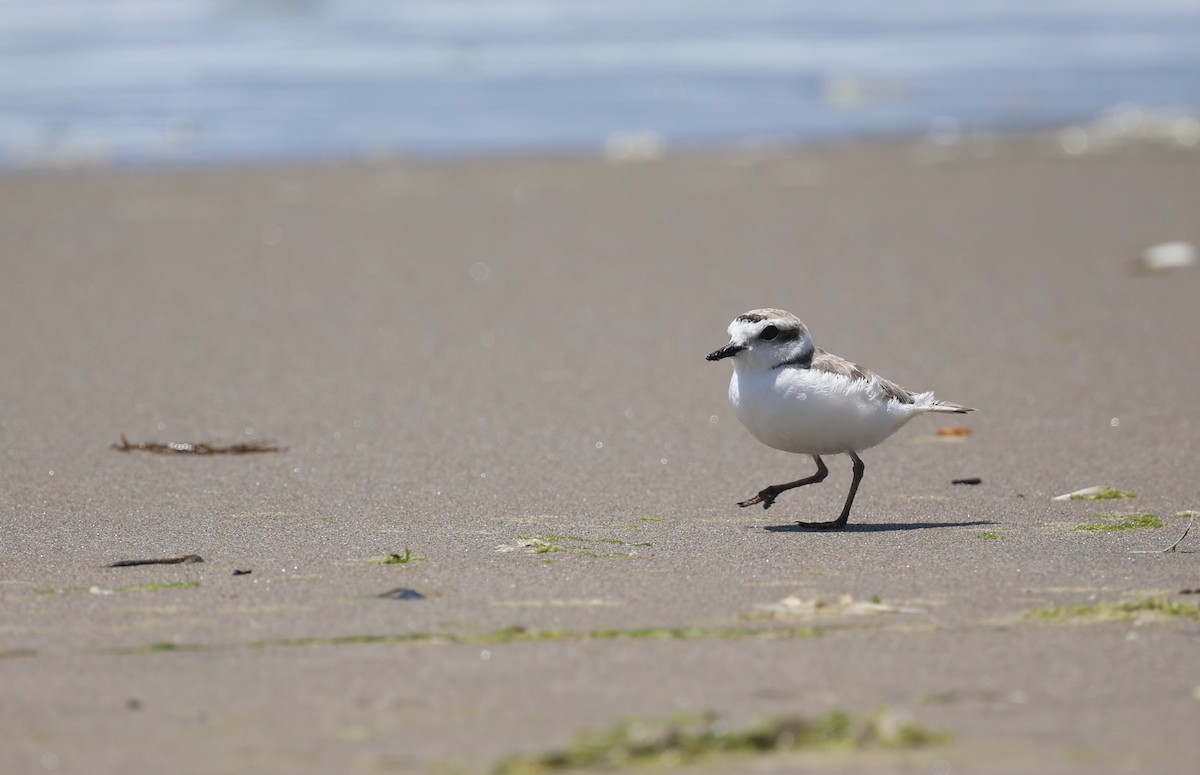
402	593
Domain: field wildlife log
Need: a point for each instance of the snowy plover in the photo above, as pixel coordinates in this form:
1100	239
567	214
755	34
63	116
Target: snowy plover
795	397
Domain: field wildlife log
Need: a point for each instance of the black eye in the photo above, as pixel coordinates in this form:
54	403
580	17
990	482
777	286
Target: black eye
769	333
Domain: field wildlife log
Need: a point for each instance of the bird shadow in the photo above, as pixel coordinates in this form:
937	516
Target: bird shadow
874	527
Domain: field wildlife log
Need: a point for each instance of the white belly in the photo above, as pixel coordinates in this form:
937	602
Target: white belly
815	412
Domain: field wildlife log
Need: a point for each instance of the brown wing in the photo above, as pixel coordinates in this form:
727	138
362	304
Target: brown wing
835	364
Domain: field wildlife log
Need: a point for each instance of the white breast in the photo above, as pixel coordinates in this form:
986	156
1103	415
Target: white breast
816	412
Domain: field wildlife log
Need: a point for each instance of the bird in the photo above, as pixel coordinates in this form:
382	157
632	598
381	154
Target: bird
794	396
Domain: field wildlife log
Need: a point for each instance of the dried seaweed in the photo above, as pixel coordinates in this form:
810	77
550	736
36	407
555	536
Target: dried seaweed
186	558
199	448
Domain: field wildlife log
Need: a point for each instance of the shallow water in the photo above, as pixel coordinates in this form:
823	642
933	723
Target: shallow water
198	81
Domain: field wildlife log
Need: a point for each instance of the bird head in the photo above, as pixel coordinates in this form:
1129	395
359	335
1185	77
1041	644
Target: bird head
766	339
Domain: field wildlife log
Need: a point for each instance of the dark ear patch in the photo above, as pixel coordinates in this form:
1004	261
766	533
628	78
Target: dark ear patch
789	334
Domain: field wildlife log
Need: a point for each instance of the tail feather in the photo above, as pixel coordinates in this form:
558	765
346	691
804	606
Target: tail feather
949	408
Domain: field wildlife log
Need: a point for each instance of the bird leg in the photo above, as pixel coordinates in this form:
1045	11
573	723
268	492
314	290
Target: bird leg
840	522
767	496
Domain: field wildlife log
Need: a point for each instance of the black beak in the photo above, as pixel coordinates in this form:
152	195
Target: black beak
728	351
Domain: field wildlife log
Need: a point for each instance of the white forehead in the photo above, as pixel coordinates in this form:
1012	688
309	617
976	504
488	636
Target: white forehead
749	324
743	329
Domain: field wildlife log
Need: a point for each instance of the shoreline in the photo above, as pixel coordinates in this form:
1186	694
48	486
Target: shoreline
1121	129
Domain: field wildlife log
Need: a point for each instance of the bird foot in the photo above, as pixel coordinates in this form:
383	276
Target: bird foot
837	524
766	498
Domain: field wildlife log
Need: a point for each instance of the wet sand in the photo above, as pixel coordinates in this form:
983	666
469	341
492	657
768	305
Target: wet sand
475	361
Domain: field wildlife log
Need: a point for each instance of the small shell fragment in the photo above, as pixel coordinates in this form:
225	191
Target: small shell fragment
954	430
1095	493
1167	255
846	605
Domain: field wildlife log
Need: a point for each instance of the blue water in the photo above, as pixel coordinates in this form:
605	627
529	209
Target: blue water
230	81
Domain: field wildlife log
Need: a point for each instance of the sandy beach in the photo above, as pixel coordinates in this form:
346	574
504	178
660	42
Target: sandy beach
493	373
